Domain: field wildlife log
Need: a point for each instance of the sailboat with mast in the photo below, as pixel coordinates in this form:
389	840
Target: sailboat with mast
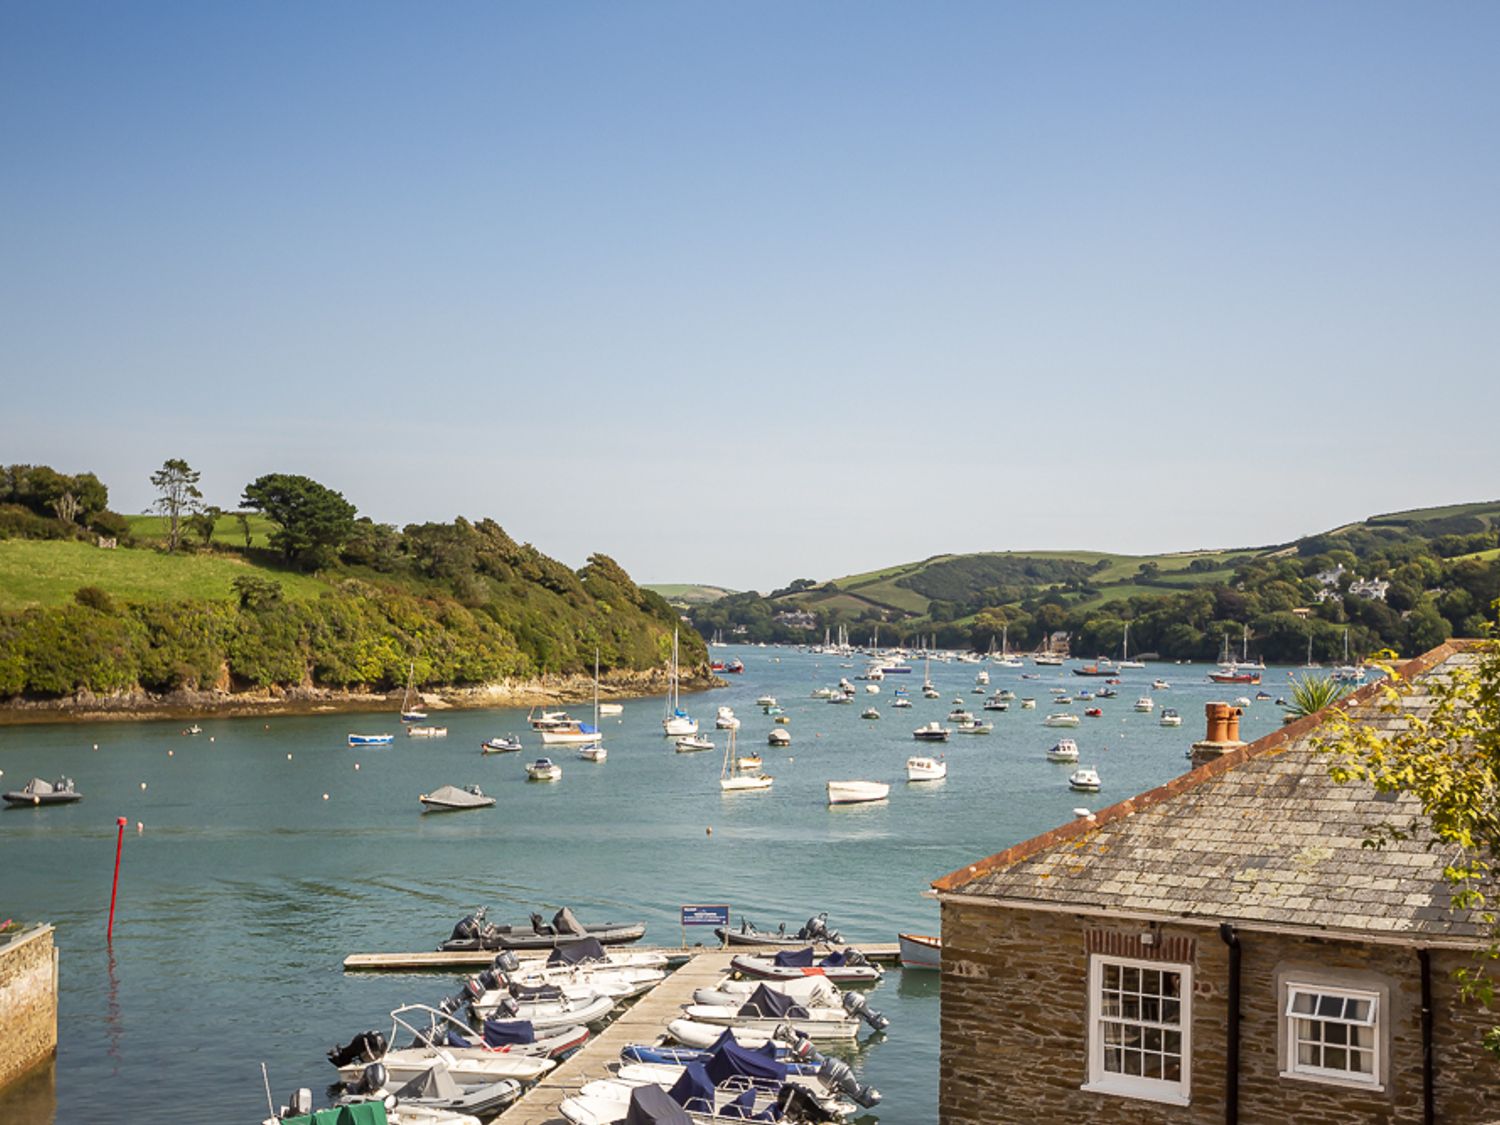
676	723
1007	659
1240	671
595	751
1125	661
409	714
1347	673
733	778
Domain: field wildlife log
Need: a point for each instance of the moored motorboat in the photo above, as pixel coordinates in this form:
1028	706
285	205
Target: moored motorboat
1065	750
39	791
844	966
430	1030
1145	704
921	951
1085	779
857	792
474	933
611	709
594	752
455	798
870	713
1170	717
426	732
1061	719
693	743
931	732
778	737
815	929
510	744
544	769
433	1097
371	739
768	1010
926	769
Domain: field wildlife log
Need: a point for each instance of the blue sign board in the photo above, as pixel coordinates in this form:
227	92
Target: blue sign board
705	915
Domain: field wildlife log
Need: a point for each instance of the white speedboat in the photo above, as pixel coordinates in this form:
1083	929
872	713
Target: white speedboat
982	679
995	703
789	966
1170	717
544	769
1061	719
725	719
857	792
1085	779
810	991
756	1015
468	1065
612	709
569	1007
1066	750
931	732
1028	704
870	713
595	752
769	700
1145	703
926	769
694	743
974	726
901	701
453	798
778	737
510	744
1160	685
921	951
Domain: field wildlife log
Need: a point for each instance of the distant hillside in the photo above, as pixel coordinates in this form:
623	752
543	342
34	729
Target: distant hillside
1403	581
688	594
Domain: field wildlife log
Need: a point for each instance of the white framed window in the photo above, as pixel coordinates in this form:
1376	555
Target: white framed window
1332	1034
1140	1024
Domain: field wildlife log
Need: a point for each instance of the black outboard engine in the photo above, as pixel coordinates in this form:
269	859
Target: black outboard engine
473	989
371	1080
473	932
799	1043
817	927
539	925
506	961
448	1005
839	1075
855	957
857	1005
365	1046
492	980
508	1005
795	1103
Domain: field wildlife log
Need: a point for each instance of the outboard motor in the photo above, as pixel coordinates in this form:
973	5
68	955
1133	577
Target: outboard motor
450	1004
365	1046
833	937
855	957
796	1103
473	989
492	980
816	927
857	1005
538	925
509	1005
506	961
371	1079
839	1075
470	927
799	1043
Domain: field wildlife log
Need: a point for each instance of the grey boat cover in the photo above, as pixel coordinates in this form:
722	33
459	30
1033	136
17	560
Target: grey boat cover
651	1105
767	1003
563	922
433	1084
463	798
577	952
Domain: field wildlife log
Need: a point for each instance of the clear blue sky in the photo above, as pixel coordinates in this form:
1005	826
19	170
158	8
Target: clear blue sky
749	292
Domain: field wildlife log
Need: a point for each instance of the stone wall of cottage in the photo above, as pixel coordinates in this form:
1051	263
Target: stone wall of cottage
1015	1010
28	1002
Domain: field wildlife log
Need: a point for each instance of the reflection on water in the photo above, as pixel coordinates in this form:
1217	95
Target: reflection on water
33	1097
246	889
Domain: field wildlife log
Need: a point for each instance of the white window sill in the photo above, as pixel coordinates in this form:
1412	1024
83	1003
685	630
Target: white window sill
1167	1095
1333	1080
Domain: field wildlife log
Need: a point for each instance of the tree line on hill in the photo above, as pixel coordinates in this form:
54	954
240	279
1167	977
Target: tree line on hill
462	601
1432	592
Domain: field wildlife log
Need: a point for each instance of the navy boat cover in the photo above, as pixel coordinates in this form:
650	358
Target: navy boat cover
794	958
834	960
769	1004
651	1105
577	952
694	1091
730	1059
456	1040
504	1033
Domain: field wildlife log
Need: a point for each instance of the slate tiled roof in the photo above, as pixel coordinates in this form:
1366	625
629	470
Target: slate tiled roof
1263	834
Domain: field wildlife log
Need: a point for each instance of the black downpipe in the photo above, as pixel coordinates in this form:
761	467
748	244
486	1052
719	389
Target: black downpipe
1232	1069
1429	1109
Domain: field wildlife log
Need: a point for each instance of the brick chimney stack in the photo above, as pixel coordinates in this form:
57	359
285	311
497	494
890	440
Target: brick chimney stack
1223	733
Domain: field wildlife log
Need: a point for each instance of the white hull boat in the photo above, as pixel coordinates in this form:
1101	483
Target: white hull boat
1085	779
544	769
857	792
1066	750
1062	719
594	753
693	744
850	971
510	744
819	1024
455	798
584	1006
921	951
426	732
926	769
611	709
581	735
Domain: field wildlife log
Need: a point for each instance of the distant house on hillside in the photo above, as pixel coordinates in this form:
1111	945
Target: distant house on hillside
1220	948
1371	589
796	619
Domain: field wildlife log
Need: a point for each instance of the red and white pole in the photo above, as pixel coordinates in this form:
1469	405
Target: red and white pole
109	933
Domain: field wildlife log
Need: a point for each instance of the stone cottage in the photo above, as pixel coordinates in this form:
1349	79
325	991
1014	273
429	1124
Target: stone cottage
1221	948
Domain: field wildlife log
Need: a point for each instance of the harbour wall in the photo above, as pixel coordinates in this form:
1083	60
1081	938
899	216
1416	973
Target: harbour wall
28	1002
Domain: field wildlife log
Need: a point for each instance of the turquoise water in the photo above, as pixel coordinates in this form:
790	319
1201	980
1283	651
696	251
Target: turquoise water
244	888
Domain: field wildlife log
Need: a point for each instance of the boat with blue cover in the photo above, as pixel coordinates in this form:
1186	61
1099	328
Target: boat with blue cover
843	966
371	739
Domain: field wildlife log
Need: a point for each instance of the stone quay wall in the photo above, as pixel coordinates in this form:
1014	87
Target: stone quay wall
28	1001
1015	1024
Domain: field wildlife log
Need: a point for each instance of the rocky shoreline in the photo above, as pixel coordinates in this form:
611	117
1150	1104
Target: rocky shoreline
310	700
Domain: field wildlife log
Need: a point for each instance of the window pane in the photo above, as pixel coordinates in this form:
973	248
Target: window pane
1130	1007
1111	976
1331	1006
1172	1068
1172	984
1153	1065
1151	1009
1335	1058
1151	1039
1131	980
1303	1003
1171	1011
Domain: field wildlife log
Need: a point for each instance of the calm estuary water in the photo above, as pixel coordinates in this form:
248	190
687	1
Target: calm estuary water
245	888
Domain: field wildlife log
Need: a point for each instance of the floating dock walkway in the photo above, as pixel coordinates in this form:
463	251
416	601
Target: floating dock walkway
435	962
642	1022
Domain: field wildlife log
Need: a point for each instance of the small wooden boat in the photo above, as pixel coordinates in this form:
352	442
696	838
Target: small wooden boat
921	951
455	798
39	791
857	792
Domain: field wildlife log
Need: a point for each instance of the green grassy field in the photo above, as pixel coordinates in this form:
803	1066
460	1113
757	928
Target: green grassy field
227	530
1478	556
37	573
1485	509
690	593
